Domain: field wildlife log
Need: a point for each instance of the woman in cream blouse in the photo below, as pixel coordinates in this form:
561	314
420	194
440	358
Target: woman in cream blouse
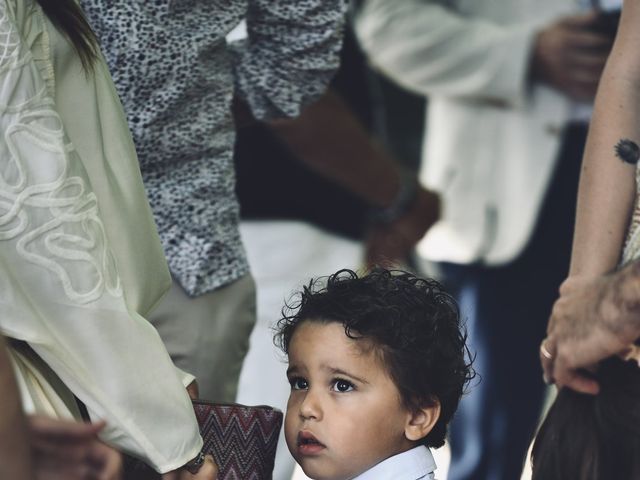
80	261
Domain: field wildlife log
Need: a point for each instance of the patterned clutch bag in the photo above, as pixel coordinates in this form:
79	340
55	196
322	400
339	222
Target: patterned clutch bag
242	440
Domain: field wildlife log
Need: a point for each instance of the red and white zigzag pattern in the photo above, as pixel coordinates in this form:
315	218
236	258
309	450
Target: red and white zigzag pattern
242	439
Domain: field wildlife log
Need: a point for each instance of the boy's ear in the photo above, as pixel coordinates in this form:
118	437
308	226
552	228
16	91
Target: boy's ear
421	421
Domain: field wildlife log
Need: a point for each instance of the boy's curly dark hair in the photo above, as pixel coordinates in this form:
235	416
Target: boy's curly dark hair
411	321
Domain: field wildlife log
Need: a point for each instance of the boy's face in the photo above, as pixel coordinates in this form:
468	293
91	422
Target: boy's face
344	413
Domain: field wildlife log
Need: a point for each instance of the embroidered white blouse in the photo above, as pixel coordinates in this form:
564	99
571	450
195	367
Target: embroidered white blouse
80	259
414	464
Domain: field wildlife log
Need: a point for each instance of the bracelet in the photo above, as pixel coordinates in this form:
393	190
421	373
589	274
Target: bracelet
402	202
194	465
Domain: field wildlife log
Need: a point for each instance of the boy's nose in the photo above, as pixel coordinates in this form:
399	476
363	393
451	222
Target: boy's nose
310	407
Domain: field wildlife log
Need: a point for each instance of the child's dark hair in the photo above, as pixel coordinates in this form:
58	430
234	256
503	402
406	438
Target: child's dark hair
412	323
587	437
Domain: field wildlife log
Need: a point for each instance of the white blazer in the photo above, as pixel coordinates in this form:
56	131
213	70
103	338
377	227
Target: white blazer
492	138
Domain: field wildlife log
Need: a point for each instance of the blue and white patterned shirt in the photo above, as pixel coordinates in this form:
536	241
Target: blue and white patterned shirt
176	76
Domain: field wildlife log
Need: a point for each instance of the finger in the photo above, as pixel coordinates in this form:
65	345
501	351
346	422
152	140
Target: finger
547	370
52	428
584	82
575	379
106	462
546	360
208	471
580	382
193	390
567	286
580	63
584	79
588	41
581	20
210	464
61	452
582	93
46	469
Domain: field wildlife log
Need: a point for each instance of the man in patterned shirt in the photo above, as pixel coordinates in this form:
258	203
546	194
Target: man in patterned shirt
177	78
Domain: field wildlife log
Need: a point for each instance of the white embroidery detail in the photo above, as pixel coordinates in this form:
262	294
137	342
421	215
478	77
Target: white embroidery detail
46	203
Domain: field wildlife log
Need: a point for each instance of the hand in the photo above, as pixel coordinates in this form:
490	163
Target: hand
593	319
66	450
193	390
570	55
390	243
208	471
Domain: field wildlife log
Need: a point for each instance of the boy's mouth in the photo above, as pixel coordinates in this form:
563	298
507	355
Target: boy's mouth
308	444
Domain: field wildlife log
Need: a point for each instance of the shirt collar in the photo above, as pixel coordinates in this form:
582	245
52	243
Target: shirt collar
414	464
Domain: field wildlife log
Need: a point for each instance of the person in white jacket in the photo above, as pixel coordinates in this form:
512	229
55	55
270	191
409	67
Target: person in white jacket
509	86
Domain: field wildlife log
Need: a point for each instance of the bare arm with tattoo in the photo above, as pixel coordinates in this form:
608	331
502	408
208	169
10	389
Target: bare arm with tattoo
607	182
597	314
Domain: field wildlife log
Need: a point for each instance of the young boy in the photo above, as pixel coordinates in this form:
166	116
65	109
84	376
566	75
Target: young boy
377	368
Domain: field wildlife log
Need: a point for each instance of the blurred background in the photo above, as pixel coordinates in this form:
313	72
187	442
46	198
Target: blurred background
472	102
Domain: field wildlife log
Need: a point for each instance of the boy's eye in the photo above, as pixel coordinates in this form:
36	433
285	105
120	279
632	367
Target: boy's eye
342	386
298	383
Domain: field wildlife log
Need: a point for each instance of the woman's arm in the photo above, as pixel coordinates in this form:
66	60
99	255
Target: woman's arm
15	457
607	183
596	315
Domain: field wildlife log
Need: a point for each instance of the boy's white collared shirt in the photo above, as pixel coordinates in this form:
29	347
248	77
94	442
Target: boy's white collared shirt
414	464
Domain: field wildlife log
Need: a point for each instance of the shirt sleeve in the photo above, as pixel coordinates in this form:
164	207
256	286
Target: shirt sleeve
433	50
290	54
60	287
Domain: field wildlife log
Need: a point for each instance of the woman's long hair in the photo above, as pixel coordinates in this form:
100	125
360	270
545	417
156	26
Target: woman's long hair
67	17
586	437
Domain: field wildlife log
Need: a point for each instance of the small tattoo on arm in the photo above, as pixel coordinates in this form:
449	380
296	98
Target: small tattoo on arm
628	151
